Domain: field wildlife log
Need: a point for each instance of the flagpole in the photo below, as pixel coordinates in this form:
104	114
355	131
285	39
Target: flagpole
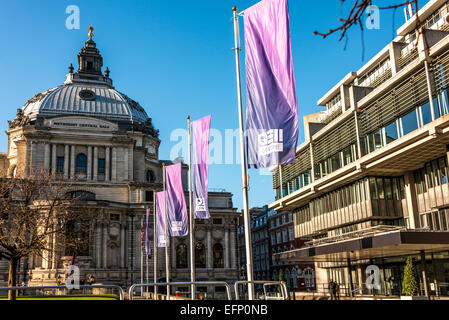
147	243
154	245
192	222
167	269
141	255
249	254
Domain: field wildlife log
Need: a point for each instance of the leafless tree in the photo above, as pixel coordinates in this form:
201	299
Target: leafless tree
36	215
356	13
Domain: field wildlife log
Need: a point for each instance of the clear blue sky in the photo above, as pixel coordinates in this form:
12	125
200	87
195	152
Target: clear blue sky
175	58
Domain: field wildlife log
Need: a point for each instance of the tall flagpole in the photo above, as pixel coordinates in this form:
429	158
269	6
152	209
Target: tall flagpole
167	267
146	249
249	254
154	244
141	256
192	222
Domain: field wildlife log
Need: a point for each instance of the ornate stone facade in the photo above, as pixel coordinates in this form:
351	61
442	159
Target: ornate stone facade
86	131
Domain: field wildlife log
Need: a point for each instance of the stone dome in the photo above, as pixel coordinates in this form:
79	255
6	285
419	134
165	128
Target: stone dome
88	92
85	99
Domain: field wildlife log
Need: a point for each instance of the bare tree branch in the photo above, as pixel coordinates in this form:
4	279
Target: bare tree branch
356	14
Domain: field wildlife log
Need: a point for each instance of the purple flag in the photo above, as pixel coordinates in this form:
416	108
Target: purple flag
160	220
178	221
271	109
147	239
200	167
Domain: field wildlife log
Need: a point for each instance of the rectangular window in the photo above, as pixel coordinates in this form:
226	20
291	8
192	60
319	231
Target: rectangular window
380	188
444	225
436	220
148	196
435	167
391	132
418	182
378	140
442	163
347	155
388	191
429	175
101	166
306	178
409	123
291	233
442	104
426	114
60	164
335	162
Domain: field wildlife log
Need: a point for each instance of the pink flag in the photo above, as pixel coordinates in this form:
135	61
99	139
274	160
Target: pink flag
272	109
200	167
178	221
160	220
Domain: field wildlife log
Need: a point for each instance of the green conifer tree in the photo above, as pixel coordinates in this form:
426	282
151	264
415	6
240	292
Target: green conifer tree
410	284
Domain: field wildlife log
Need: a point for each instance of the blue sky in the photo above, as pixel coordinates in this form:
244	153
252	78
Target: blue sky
175	58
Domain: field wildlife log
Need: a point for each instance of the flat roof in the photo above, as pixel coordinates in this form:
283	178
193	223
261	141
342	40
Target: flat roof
390	244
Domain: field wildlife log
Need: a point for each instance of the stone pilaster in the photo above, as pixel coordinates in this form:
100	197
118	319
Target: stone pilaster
95	163
66	161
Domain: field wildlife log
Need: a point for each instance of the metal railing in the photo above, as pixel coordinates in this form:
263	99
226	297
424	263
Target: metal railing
170	284
281	284
106	286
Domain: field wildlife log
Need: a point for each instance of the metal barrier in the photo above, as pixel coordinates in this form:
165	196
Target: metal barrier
169	284
111	286
282	285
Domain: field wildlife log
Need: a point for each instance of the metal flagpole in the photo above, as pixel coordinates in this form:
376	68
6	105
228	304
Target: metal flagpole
146	249
167	269
141	255
192	222
154	244
249	254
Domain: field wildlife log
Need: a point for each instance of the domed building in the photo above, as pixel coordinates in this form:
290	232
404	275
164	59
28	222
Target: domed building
87	132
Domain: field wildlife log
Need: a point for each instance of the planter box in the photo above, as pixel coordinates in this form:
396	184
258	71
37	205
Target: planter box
413	298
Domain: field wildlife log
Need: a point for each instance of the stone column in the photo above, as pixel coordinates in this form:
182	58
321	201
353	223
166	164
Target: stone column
126	165
47	156
54	253
89	163
95	163
122	243
209	251
108	158
130	163
66	161
105	245
72	161
226	249
98	230
114	164
233	250
29	147
53	160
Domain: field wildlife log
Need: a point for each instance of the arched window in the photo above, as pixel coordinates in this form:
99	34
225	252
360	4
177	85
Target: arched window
81	163
181	256
149	176
295	279
200	255
218	256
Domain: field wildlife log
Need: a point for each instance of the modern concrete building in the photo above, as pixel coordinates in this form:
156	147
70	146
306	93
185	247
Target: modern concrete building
370	182
87	132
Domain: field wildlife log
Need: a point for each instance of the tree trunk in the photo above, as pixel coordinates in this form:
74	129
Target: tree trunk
12	278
